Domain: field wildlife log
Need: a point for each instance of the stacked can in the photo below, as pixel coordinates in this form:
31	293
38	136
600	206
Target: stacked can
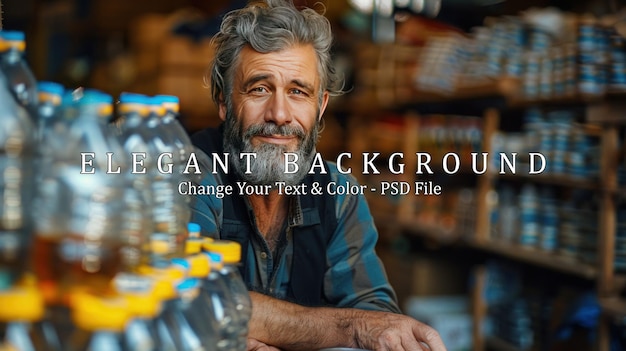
617	70
532	74
592	57
570	69
561	128
529	215
549	221
620	241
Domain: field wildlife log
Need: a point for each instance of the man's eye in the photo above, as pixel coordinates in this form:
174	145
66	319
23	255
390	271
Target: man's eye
258	90
297	92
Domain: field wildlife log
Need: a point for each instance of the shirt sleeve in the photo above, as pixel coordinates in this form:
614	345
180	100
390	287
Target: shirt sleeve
206	210
355	276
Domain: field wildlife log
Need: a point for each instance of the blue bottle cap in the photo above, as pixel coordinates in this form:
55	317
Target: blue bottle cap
95	96
215	257
13	35
127	97
50	87
186	284
193	227
181	262
168	98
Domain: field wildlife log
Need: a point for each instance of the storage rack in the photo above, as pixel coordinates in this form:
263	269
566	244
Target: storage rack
491	99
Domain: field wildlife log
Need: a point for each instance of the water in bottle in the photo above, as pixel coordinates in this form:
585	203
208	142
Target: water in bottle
216	291
20	78
78	209
144	307
16	182
20	317
231	255
99	323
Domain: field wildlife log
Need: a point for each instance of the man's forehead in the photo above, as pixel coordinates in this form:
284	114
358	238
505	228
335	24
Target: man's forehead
298	58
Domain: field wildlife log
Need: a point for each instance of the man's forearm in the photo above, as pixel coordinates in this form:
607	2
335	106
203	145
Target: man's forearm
294	327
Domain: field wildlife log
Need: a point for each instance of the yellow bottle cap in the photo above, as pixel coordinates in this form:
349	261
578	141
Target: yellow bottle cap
193	246
21	303
165	280
199	266
230	250
91	312
206	241
143	305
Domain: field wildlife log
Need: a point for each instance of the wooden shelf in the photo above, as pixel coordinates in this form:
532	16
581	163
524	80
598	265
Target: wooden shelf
554	179
539	258
430	231
495	343
614	306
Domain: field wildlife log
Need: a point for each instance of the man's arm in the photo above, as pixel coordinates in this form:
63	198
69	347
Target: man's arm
355	276
293	327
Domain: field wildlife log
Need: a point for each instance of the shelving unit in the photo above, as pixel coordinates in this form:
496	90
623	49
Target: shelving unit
606	114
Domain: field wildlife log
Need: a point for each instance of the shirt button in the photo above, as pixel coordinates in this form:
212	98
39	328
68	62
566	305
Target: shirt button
263	255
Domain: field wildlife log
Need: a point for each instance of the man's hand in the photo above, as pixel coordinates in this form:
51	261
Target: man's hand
294	327
390	331
256	345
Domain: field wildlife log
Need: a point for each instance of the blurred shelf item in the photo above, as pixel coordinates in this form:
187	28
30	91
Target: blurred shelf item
614	306
537	257
434	232
563	180
508	67
495	343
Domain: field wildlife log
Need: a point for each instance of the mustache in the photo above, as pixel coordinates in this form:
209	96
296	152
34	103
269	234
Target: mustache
269	129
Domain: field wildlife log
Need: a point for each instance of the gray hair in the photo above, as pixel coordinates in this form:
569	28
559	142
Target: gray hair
270	26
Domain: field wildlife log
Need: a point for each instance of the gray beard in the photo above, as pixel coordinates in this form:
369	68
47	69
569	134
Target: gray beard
269	165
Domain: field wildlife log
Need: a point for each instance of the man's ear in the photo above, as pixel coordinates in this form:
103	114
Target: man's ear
221	108
325	99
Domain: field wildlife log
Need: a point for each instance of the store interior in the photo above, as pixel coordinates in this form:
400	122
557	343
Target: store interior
508	259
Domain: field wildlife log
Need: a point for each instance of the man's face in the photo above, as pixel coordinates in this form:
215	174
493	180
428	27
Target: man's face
275	109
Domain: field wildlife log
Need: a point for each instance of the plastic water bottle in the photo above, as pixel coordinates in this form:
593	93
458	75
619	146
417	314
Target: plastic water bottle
49	110
216	290
144	306
78	209
99	323
170	204
16	176
184	321
20	78
231	255
138	136
51	130
22	308
180	137
193	244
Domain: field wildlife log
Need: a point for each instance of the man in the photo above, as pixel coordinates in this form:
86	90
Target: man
309	260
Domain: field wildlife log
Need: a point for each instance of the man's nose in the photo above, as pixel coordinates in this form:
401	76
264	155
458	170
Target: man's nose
278	110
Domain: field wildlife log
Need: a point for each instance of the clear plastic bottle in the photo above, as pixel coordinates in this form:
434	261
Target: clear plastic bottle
20	78
231	255
170	203
139	137
16	182
180	137
99	323
49	110
186	149
144	306
78	209
215	289
22	309
193	244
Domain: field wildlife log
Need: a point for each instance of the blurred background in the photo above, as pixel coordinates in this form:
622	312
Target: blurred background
498	261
